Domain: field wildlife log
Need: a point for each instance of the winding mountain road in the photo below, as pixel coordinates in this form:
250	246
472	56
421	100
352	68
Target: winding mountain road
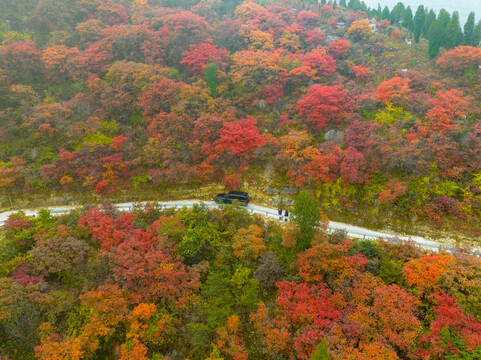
351	230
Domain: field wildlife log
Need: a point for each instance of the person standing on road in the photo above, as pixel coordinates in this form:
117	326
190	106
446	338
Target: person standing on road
286	215
279	211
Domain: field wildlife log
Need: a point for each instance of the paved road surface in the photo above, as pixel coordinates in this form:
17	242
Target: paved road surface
351	230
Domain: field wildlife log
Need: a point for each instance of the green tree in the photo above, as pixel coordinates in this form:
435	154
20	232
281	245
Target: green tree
245	290
408	22
430	17
436	36
419	18
307	215
200	242
469	30
354	5
477	34
444	17
397	13
218	298
391	271
454	35
210	77
385	14
202	239
321	352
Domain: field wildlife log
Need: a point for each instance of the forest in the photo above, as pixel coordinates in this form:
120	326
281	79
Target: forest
375	111
372	115
221	284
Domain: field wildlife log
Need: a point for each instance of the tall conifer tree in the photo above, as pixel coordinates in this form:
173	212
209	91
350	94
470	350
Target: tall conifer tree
385	15
397	13
469	30
454	35
430	17
419	22
444	17
477	34
436	35
408	22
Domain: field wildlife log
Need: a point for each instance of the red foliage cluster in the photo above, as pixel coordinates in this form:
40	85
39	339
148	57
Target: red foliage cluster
448	107
240	138
460	59
200	55
340	48
449	326
395	90
319	61
108	232
323	105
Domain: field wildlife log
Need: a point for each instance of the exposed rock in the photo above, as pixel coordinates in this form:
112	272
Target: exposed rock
271	191
333	135
289	190
276	201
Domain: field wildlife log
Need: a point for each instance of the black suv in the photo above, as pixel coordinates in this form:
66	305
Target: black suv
240	196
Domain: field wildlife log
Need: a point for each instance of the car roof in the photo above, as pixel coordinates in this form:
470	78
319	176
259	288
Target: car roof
238	192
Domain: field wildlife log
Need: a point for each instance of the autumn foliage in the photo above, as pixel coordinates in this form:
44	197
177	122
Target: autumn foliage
460	59
200	55
134	294
395	90
240	138
323	105
360	29
106	97
423	272
339	48
123	100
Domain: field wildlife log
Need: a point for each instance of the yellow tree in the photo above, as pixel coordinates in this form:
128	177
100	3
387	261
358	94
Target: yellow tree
247	10
254	69
248	243
360	29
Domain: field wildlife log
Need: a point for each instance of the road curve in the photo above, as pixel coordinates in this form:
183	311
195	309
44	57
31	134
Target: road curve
351	230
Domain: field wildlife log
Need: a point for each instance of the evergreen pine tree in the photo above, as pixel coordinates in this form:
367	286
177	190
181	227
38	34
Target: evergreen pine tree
363	6
469	30
397	13
436	35
419	18
430	17
477	34
453	32
444	17
342	3
356	5
408	22
385	15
